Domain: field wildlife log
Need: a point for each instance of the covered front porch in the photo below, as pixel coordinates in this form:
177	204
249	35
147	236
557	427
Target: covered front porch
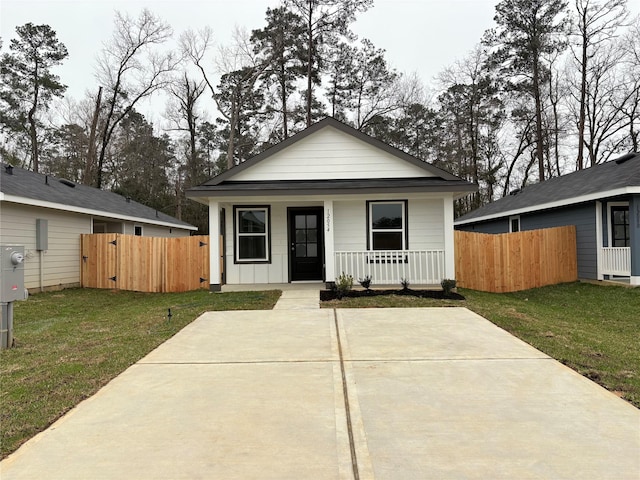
618	240
300	239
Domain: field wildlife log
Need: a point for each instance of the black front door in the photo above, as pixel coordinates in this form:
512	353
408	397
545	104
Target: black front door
305	243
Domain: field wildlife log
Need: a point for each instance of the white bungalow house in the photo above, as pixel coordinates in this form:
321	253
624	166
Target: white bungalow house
331	200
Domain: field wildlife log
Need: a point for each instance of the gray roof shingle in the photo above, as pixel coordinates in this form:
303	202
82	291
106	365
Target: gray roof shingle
46	188
599	179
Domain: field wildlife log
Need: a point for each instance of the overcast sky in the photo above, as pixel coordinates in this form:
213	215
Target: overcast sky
424	36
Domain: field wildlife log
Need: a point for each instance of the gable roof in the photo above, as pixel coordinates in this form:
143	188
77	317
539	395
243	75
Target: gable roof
435	179
609	179
30	188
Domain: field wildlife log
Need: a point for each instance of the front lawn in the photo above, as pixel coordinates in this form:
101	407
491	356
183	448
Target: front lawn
71	343
594	329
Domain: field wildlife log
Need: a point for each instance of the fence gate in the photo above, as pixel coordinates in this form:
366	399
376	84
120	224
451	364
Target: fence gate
145	264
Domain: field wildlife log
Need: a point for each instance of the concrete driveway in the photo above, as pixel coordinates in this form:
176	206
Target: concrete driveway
323	394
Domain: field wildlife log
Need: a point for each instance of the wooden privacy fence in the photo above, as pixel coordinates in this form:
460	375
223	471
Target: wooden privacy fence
144	264
509	262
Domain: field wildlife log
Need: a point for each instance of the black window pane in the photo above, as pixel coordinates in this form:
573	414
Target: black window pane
252	221
386	215
515	225
387	241
312	249
620	217
252	247
301	250
301	236
312	235
300	221
311	221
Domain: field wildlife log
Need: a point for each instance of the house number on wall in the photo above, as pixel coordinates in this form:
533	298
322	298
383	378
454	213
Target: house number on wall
328	221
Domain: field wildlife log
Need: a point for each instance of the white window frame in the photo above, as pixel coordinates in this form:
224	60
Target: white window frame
404	231
237	234
610	218
511	219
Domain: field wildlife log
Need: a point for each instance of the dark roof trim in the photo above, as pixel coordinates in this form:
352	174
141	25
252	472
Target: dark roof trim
329	191
329	187
332	122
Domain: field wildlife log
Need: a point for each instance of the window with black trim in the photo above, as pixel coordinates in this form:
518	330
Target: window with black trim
252	234
387	225
620	226
137	230
514	224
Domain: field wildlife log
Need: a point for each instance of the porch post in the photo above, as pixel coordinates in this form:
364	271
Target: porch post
214	246
449	242
634	238
599	274
329	248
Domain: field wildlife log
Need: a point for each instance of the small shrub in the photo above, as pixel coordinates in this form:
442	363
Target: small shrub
365	282
405	284
448	285
344	284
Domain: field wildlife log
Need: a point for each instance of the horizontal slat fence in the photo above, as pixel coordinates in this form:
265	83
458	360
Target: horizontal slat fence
510	262
145	264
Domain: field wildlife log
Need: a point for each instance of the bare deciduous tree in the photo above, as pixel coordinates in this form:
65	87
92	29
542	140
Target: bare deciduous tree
130	68
596	23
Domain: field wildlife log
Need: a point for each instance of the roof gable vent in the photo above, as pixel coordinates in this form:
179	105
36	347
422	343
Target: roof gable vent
624	158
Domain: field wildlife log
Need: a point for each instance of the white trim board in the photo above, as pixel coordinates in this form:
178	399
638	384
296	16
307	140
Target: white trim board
558	203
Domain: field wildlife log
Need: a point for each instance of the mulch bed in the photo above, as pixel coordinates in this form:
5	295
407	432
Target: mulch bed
326	295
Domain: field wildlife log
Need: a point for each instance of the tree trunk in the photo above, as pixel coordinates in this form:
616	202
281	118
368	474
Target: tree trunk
309	64
536	94
583	95
91	152
232	133
33	134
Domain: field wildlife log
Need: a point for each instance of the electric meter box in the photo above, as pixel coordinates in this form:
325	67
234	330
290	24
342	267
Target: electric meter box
11	273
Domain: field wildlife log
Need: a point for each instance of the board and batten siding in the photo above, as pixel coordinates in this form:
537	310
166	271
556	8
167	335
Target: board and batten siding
426	232
247	273
425	225
330	154
61	261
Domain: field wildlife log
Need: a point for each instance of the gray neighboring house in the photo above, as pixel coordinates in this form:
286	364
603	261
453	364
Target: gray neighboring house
47	215
603	202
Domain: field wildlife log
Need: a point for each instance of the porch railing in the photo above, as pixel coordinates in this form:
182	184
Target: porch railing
615	260
387	267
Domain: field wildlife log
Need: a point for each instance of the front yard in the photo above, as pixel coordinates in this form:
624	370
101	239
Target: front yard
71	343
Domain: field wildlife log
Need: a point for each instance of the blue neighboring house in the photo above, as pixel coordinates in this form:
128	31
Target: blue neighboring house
603	202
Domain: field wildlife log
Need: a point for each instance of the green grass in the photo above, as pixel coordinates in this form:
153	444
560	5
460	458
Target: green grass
594	329
71	343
